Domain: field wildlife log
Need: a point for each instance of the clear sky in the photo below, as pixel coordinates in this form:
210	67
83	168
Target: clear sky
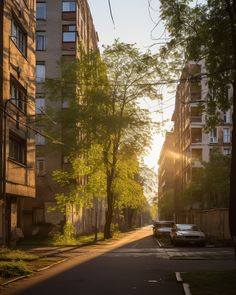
133	24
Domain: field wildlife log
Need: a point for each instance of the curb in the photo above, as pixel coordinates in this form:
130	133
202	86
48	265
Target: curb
51	265
186	286
15	279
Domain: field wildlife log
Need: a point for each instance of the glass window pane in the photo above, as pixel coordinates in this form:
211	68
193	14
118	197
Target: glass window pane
68	6
68	36
40	10
40	73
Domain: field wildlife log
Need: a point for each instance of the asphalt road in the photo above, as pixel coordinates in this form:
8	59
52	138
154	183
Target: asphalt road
133	265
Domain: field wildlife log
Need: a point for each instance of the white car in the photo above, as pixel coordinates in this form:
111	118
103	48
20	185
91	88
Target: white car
187	234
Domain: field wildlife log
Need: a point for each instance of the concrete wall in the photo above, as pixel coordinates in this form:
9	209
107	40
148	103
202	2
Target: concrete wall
213	222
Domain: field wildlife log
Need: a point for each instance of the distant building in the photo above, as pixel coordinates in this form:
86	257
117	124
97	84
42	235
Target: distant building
192	143
62	27
166	175
17	95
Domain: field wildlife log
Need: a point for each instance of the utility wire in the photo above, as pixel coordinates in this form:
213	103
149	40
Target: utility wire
111	14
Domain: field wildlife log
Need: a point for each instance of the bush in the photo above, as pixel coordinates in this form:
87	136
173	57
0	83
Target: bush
13	269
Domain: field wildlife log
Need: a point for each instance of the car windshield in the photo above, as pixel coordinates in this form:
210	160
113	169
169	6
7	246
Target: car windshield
186	227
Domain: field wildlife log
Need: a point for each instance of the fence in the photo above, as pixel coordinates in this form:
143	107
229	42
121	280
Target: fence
213	222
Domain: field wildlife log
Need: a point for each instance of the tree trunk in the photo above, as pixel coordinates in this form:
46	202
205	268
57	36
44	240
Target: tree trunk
109	212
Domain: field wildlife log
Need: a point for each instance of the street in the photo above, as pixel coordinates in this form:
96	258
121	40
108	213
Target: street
133	265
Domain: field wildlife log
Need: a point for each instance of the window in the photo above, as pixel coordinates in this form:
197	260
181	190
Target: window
41	166
213	135
197	154
226	135
40	41
19	36
227	117
40	103
68	6
18	94
38	216
227	151
40	10
40	71
39	139
17	148
69	33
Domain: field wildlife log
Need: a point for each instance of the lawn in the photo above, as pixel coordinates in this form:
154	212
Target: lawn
211	283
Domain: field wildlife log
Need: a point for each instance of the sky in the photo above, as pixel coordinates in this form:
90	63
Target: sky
133	24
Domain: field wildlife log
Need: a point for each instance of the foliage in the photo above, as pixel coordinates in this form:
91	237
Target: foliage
10	254
88	166
211	185
13	268
166	205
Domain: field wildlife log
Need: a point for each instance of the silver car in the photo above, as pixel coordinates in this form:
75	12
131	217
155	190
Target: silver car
187	234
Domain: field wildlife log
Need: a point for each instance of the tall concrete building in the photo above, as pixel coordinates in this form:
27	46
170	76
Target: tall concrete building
63	26
17	95
193	144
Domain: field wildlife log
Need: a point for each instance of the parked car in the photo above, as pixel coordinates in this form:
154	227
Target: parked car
187	234
162	228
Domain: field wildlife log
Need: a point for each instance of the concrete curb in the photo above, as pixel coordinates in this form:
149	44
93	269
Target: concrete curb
15	279
51	265
186	286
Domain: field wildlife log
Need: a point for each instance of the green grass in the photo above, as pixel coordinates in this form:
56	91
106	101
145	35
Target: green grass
9	269
16	255
211	283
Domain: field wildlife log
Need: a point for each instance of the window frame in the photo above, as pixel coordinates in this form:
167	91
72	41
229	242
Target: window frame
40	172
42	39
39	109
226	137
17	149
69	10
40	79
45	10
19	98
69	29
213	139
19	36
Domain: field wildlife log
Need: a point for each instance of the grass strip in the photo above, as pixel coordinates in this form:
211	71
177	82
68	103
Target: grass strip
211	282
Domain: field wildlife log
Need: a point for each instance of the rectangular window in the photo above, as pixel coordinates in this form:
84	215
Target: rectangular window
227	151
197	154
17	148
213	135
40	10
68	6
41	166
69	33
40	71
40	41
40	103
39	139
227	117
18	95
19	36
226	135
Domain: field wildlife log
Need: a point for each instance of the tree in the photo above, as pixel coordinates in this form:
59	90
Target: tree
207	31
102	98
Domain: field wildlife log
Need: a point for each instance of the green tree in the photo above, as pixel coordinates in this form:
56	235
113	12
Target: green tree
102	98
207	31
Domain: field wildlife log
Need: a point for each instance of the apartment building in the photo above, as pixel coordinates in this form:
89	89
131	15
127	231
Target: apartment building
193	144
63	26
17	95
166	174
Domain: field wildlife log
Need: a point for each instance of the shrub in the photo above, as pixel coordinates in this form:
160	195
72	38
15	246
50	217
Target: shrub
13	268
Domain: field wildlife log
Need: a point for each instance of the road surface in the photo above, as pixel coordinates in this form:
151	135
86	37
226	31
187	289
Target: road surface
134	265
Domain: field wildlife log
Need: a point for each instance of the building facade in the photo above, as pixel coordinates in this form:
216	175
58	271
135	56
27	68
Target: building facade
17	95
63	27
166	176
193	143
